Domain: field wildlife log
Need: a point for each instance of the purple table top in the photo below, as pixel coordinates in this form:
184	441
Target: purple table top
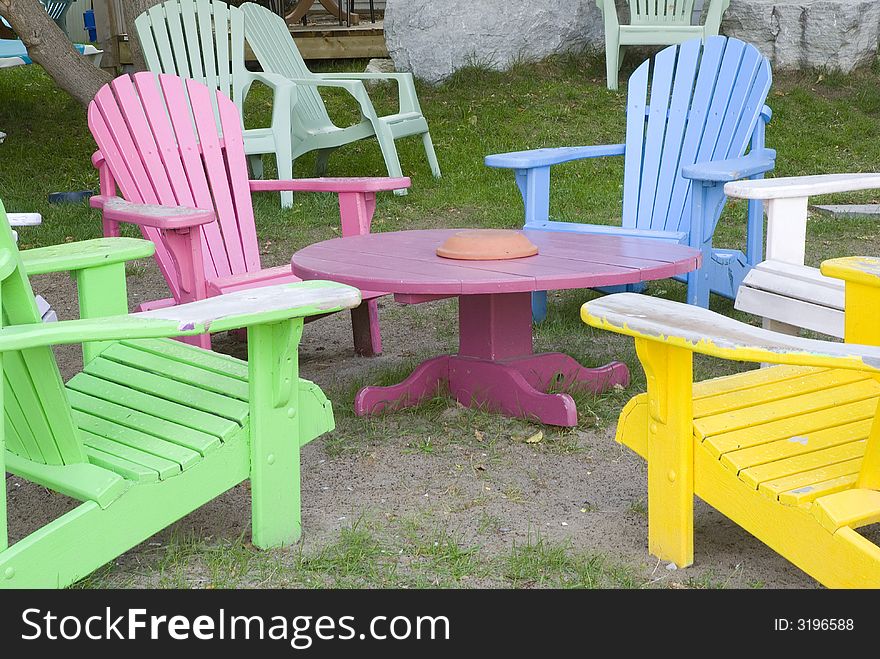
405	262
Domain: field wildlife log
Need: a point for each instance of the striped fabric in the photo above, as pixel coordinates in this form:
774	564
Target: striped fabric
13	52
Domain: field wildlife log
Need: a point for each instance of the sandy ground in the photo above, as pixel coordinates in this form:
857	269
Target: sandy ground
592	498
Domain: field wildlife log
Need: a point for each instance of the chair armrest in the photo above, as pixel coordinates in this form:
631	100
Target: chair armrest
394	75
222	313
733	169
272	80
117	209
706	332
863	270
283	100
545	157
791	187
766	114
328	184
861	317
407	100
354	87
69	257
259	306
24	219
317	81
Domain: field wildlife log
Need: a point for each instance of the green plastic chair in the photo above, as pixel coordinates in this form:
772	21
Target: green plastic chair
654	23
151	429
313	130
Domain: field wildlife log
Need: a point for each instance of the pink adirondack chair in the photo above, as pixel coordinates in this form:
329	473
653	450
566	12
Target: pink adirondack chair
187	188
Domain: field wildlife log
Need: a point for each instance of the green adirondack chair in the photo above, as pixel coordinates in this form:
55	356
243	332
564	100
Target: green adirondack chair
313	130
151	428
654	23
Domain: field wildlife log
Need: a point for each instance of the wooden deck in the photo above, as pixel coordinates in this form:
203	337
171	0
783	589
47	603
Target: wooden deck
319	41
329	41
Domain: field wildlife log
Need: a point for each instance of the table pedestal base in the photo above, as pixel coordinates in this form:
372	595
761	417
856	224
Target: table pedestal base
515	387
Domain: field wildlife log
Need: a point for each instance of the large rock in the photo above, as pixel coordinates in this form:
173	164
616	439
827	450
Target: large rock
804	34
432	39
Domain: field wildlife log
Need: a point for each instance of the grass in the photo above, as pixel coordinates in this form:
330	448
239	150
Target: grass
821	123
363	556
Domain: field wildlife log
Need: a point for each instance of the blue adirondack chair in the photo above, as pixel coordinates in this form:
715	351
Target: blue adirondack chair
706	106
57	10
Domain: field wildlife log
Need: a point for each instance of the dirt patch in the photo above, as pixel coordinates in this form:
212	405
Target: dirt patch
471	476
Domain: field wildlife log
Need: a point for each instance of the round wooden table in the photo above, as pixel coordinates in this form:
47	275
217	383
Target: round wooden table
495	367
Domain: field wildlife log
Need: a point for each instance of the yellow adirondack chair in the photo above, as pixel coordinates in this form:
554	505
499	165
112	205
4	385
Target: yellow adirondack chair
790	452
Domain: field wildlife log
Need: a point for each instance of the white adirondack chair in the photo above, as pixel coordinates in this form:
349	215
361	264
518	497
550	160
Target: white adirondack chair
787	294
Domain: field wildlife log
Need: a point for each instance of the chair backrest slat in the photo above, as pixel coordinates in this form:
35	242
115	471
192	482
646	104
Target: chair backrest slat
38	424
236	165
215	167
636	104
192	39
177	102
660	11
270	40
209	41
161	140
111	133
703	103
679	107
655	133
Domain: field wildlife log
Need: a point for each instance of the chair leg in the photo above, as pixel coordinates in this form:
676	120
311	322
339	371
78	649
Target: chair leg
284	160
200	340
322	160
273	371
669	372
539	306
365	328
389	153
256	163
612	63
432	156
698	287
356	211
4	534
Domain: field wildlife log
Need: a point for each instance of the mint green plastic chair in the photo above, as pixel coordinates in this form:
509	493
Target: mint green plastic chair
313	130
654	23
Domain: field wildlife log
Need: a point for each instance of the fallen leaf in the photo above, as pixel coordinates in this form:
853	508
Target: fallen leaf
536	438
478	435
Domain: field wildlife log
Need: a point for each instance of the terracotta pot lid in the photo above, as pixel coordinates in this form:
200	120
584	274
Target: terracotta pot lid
487	245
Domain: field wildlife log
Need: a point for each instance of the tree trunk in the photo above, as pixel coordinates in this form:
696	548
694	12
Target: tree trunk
133	9
49	47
